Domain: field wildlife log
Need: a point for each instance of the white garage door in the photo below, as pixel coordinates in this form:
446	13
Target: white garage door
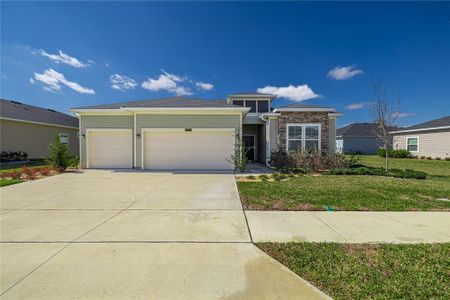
199	149
110	148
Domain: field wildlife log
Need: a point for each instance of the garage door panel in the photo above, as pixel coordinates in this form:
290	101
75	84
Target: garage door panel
188	150
110	149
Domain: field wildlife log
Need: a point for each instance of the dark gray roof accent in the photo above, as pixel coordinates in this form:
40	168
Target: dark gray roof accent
441	122
299	105
253	94
163	102
358	130
20	111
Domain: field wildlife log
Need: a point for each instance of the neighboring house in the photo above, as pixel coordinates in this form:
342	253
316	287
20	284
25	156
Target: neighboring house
430	139
31	129
357	138
185	133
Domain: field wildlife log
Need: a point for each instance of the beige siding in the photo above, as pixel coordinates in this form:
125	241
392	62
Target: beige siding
96	122
34	139
183	121
273	136
434	143
332	134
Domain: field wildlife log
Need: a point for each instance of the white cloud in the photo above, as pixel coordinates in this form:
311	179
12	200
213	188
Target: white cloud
204	86
354	106
291	92
167	82
342	73
64	58
403	115
122	82
55	80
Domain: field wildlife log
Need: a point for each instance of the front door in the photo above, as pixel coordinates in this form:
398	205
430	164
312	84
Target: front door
249	146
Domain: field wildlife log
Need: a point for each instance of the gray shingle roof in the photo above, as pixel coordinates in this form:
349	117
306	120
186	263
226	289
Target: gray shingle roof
441	122
358	130
163	102
299	105
253	94
20	111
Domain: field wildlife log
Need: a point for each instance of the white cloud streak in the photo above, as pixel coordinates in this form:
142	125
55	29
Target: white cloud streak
54	82
167	82
64	58
355	106
291	92
343	73
403	115
122	82
204	86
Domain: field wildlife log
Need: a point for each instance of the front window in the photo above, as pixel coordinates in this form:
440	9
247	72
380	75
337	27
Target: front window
303	136
238	102
263	106
251	104
64	138
412	144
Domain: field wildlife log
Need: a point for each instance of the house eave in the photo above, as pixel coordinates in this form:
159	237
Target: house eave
305	109
419	129
163	109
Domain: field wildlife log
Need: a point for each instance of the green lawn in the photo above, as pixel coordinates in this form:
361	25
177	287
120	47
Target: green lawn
369	271
17	167
432	167
5	182
348	192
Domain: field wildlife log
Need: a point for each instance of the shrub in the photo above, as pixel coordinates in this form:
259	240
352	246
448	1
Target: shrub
10	156
447	158
429	158
398	173
303	162
263	177
399	153
59	156
45	171
11	175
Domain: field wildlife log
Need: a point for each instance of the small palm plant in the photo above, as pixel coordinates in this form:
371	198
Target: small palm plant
59	156
239	157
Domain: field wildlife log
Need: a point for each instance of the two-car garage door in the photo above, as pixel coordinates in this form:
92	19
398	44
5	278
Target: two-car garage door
204	149
193	149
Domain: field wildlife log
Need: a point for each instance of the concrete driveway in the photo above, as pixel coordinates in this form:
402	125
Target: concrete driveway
106	234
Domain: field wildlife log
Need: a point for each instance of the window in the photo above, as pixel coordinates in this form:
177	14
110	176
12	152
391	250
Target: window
263	106
238	102
64	138
312	137
303	136
412	144
251	104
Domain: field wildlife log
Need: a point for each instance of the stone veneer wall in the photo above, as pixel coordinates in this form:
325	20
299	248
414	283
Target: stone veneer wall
304	117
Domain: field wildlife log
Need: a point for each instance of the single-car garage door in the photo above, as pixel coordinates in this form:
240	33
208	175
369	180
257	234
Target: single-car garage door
180	149
109	148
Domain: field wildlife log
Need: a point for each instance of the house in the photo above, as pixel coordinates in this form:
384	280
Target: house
31	129
357	138
430	139
187	133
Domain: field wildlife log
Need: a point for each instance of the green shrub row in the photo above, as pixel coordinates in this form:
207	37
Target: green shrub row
399	153
398	173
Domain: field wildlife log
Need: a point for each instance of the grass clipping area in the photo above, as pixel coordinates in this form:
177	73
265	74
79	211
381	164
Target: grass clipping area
369	271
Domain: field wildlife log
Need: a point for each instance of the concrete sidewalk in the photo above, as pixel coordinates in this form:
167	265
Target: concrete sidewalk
349	227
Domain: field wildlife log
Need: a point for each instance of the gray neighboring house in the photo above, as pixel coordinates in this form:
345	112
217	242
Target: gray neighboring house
188	133
31	129
430	139
357	138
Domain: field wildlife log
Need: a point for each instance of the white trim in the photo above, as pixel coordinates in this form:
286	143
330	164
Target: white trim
335	115
303	139
406	143
162	109
88	130
80	140
134	141
288	109
150	129
420	129
38	123
254	143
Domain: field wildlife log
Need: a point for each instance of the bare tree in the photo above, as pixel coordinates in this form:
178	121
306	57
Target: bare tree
384	108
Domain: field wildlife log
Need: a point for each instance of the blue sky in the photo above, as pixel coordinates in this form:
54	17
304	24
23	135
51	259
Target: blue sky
62	55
